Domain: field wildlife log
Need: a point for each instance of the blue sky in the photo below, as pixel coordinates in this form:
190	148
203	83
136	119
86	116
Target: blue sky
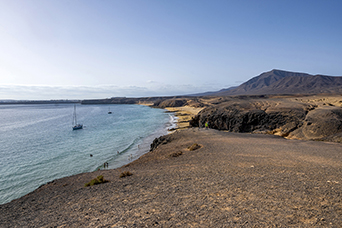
96	49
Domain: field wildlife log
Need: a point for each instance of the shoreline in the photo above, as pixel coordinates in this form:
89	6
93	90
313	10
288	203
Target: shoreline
127	152
144	146
184	114
234	179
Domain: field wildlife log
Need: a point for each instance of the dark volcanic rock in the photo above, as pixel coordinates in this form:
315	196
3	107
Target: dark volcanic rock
238	118
286	118
172	103
320	123
157	141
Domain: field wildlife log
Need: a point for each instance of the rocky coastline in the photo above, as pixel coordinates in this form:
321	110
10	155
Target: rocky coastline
242	174
310	117
306	118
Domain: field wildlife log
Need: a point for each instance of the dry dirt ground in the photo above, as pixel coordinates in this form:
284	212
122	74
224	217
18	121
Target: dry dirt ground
233	180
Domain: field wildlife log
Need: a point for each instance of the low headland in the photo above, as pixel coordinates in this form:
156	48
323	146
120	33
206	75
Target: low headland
247	170
304	117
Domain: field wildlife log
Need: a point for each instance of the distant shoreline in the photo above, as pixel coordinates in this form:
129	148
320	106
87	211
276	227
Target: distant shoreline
40	102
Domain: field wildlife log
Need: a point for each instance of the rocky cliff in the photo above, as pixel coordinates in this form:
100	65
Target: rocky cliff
288	117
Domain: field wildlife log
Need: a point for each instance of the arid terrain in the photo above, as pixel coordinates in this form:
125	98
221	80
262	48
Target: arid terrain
232	180
314	117
250	170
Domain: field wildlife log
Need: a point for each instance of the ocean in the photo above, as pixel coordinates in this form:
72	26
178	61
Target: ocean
38	145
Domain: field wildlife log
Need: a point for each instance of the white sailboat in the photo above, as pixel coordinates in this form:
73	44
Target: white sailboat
75	125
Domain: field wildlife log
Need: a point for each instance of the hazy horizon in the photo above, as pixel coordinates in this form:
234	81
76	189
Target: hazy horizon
39	92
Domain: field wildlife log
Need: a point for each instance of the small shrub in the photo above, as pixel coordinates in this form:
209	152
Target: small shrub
194	146
98	180
126	174
176	154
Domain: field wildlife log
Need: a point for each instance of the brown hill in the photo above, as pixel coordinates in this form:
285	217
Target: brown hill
285	82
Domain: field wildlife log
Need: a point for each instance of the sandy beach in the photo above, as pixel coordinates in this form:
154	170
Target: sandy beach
184	114
233	180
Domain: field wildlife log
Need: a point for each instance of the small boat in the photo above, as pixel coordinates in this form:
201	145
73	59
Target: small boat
75	125
109	112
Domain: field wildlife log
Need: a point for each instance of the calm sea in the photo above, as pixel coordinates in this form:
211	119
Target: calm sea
38	145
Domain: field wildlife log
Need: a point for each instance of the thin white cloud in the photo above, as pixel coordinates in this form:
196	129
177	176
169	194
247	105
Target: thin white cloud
37	92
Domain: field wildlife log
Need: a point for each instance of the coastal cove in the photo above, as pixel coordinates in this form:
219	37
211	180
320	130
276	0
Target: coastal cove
249	168
38	144
232	180
170	114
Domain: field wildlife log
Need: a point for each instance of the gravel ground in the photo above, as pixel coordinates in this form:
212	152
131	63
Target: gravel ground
233	180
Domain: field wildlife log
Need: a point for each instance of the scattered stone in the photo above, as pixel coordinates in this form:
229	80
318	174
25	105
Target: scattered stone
176	154
126	174
194	146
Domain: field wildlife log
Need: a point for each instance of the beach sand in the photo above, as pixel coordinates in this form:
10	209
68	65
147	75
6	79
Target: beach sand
233	180
184	114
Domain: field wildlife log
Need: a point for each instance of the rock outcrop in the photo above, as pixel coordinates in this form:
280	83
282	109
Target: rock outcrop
171	103
288	118
158	141
323	123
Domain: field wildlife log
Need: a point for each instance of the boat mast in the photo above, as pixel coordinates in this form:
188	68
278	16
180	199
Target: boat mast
74	119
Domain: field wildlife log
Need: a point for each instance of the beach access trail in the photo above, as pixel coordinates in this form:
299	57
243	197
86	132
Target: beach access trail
233	180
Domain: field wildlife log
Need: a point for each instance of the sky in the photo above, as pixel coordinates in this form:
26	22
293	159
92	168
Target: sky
81	49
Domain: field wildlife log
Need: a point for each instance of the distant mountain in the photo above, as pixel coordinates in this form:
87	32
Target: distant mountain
211	93
285	82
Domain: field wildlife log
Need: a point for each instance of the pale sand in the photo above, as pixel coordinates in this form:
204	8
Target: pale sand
184	114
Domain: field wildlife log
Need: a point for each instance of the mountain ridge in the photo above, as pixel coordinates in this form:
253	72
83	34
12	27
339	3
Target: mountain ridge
286	82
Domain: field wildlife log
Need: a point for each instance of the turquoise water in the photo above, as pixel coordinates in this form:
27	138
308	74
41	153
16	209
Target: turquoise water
38	145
